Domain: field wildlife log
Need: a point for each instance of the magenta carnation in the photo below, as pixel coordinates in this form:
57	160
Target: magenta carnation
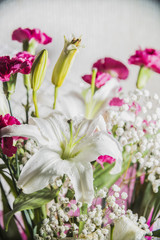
22	63
7	142
101	79
113	67
21	35
149	58
116	102
105	159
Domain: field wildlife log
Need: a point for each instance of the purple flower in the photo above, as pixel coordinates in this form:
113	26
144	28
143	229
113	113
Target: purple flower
101	79
21	35
113	67
22	63
149	58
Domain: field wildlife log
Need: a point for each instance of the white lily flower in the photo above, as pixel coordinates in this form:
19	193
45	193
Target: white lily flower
3	102
75	104
66	147
125	229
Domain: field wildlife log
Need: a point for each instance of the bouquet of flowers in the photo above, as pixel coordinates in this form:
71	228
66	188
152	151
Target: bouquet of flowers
85	165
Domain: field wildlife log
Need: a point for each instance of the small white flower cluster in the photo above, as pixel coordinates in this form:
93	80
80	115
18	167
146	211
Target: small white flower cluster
65	217
136	125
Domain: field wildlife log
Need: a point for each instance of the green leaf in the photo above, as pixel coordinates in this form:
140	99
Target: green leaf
13	232
104	178
10	183
2	166
156	233
29	201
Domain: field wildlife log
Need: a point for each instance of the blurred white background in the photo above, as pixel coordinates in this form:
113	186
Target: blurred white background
109	28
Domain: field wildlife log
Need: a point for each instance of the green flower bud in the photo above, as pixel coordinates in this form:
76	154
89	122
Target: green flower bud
38	70
64	61
9	87
143	77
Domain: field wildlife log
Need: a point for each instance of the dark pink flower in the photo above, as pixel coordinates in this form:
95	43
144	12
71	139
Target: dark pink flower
116	102
105	159
113	67
27	59
149	58
101	79
21	35
7	142
22	63
5	68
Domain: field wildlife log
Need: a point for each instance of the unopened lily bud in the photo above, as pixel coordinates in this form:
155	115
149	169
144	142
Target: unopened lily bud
64	61
9	87
38	70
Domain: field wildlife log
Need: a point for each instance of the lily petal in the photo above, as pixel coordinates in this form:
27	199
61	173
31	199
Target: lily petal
100	143
24	131
38	171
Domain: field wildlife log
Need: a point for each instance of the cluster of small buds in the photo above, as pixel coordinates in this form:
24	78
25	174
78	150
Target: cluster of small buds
97	220
136	125
26	149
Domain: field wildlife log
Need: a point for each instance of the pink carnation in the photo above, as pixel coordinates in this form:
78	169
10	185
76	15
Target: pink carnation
27	59
116	102
22	63
149	58
21	35
7	142
101	79
113	67
105	158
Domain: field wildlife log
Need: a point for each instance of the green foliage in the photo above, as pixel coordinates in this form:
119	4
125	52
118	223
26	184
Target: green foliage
29	201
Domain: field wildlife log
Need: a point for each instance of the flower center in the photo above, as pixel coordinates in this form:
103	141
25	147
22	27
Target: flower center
68	145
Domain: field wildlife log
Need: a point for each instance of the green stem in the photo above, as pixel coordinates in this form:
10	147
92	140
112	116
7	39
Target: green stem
94	72
83	210
111	232
35	103
17	166
10	109
55	96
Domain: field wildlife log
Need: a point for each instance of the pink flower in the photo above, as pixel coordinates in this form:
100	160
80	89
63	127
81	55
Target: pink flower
22	63
7	142
21	35
105	158
113	67
149	58
116	102
27	59
101	79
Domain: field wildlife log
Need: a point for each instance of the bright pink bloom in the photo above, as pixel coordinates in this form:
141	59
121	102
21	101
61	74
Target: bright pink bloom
149	58
7	142
21	35
27	59
116	102
101	79
113	67
105	158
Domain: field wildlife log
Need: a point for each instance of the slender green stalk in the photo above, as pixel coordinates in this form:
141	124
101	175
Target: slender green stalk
111	232
55	96
10	109
35	103
27	84
17	166
94	72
